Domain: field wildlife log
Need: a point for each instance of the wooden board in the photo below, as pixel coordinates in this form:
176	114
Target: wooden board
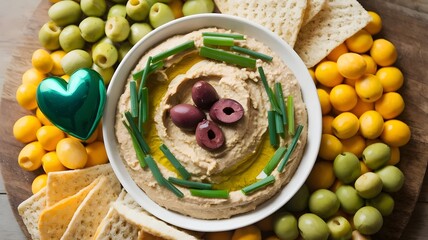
405	24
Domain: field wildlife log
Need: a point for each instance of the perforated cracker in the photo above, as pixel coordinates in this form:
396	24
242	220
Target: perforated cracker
115	226
337	21
312	9
30	211
283	17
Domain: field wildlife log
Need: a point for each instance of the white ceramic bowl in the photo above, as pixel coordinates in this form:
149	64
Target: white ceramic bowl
290	58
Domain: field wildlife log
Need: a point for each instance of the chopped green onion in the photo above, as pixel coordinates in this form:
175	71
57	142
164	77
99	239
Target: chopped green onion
252	53
227	57
154	169
272	129
153	67
145	75
273	162
144	105
218	41
269	92
290	115
183	172
138	150
172	188
177	49
258	185
290	148
279	126
137	133
209	193
134	98
190	184
229	35
280	99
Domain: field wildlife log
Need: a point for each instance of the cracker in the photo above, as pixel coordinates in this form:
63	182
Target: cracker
283	17
54	220
312	9
115	226
92	210
30	211
337	21
62	184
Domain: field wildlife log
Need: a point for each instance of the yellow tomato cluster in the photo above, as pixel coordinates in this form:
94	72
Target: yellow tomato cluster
47	146
358	87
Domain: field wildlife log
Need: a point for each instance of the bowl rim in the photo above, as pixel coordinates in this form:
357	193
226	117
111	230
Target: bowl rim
188	24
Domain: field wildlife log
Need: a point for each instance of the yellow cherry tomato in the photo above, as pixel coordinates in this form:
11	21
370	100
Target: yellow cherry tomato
42	60
383	52
226	235
57	67
395	133
30	156
391	78
351	65
362	107
26	96
337	52
176	7
51	163
360	42
324	99
395	156
354	144
345	125
364	168
390	105
350	82
312	73
337	183
49	136
250	232
71	153
371	64
321	176
343	97
326	124
369	88
371	141
330	147
39	183
25	128
43	119
375	25
371	124
96	154
327	74
33	76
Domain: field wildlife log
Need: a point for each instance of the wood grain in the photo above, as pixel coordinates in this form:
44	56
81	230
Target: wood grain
405	24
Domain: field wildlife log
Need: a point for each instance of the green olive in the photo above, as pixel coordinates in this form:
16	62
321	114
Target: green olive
117	10
64	13
74	60
70	38
117	28
93	8
312	227
49	36
160	13
349	199
347	167
368	185
382	202
191	7
340	228
138	31
392	178
137	10
376	155
123	49
105	55
368	220
106	73
324	203
92	29
285	226
299	201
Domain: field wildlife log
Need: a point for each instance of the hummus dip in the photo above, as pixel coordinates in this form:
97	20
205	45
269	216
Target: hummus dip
247	148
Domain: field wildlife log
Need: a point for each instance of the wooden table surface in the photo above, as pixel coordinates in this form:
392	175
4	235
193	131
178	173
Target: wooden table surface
413	53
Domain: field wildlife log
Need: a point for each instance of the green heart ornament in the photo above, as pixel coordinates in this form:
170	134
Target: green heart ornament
75	107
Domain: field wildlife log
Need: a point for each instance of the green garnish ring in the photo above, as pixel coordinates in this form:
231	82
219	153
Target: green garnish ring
209	193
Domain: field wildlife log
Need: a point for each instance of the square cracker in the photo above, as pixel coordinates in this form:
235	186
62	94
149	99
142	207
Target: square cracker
283	17
337	21
63	184
312	9
30	211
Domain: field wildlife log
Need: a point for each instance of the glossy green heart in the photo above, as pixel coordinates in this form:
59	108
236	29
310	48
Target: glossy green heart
75	107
